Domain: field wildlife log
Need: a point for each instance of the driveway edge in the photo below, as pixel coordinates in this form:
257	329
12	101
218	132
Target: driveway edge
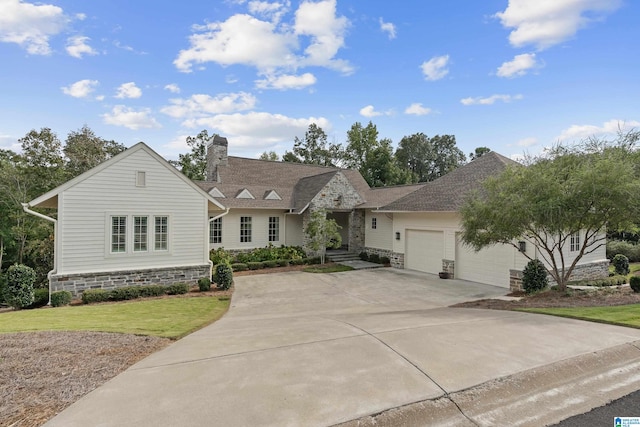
536	397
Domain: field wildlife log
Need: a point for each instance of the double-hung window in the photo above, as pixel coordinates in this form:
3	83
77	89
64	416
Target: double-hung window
215	231
274	229
574	244
374	223
140	233
118	234
161	233
245	229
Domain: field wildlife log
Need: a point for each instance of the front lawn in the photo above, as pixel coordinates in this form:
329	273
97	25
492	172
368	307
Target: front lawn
624	315
327	268
164	317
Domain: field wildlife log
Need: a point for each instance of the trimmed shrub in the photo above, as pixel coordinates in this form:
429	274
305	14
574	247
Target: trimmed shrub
634	282
224	276
91	296
534	276
374	258
364	256
219	255
177	289
298	261
204	284
621	264
152	291
283	262
40	298
124	293
239	266
60	298
385	260
19	287
609	281
270	263
255	265
314	260
628	249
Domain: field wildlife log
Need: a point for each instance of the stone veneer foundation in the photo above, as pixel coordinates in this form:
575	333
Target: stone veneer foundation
593	270
78	283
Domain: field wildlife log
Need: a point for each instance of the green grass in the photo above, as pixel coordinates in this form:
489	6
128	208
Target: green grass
623	315
167	317
327	268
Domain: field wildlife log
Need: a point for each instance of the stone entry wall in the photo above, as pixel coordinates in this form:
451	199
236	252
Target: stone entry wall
78	283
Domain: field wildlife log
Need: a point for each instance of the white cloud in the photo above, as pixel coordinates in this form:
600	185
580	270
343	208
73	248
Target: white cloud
287	81
81	88
259	129
269	46
545	23
388	28
130	118
128	90
8	142
31	25
490	100
369	111
173	88
417	109
272	11
77	46
436	67
518	66
201	105
609	128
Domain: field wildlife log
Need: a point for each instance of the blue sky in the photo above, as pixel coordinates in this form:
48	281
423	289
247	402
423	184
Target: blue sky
512	75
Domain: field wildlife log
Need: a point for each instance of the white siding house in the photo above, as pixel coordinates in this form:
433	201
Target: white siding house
133	219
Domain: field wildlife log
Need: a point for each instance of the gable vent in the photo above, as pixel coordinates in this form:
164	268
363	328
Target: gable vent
272	195
214	192
244	194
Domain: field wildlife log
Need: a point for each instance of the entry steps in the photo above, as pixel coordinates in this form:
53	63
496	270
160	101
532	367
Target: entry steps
340	255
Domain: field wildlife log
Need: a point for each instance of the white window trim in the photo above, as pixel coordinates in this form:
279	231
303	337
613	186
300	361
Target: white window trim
277	229
141	179
130	234
574	242
250	228
211	225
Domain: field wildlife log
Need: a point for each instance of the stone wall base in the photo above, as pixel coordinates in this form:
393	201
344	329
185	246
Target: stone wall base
590	271
78	283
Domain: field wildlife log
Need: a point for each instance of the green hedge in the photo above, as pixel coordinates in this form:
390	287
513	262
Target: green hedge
239	266
628	249
40	298
609	281
177	289
255	265
60	298
91	296
152	291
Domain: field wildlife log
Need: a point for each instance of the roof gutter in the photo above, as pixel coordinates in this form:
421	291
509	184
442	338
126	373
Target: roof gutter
219	216
25	207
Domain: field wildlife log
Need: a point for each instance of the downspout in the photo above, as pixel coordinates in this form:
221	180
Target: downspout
25	207
207	240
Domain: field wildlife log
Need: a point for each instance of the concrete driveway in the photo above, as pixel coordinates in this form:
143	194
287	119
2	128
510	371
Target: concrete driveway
369	347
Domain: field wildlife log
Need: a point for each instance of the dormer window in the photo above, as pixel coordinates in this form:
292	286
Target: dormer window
244	194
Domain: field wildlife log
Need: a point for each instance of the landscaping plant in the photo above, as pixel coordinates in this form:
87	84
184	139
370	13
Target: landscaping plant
621	264
60	298
634	282
204	284
224	276
534	276
19	287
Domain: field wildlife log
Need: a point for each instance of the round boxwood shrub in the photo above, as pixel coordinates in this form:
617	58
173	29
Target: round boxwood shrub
60	298
19	287
621	264
204	284
40	298
364	256
634	282
177	289
91	296
224	275
374	258
534	276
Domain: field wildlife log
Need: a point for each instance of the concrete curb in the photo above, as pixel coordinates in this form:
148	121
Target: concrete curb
536	397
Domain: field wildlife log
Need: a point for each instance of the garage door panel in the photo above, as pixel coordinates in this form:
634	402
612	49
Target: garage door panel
424	250
490	265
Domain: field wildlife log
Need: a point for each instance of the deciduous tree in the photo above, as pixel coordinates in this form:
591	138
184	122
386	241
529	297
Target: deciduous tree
84	150
194	164
429	158
314	148
322	232
563	201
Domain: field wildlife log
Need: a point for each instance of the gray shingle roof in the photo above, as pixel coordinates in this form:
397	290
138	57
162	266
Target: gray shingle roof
381	196
447	193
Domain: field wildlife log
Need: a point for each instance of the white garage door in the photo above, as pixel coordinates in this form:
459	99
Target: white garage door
491	265
425	250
